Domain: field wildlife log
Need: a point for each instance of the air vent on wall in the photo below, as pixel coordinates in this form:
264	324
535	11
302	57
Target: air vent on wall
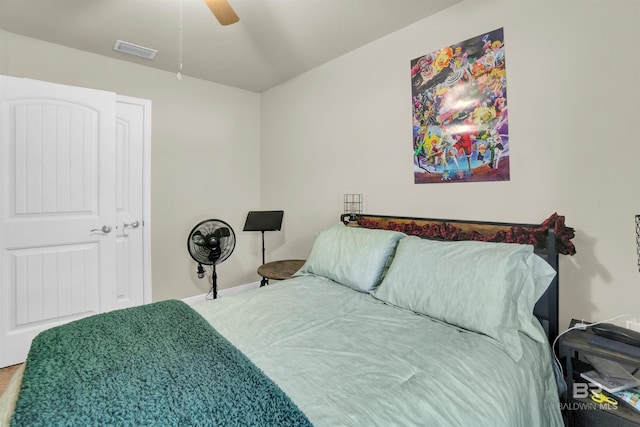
134	49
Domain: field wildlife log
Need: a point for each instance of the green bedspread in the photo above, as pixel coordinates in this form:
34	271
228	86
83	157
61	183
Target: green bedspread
155	365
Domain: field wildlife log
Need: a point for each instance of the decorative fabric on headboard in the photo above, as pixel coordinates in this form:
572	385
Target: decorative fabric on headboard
532	234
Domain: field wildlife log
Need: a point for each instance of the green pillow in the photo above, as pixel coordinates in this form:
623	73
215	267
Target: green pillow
482	287
352	256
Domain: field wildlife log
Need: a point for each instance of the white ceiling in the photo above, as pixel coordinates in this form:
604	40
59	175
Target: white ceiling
274	41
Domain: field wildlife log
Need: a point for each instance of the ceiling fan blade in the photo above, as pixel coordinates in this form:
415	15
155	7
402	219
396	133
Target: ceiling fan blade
223	11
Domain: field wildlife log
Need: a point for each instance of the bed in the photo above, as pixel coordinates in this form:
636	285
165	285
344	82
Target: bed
391	321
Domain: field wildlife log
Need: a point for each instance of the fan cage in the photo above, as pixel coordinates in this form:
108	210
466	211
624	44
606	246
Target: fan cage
199	253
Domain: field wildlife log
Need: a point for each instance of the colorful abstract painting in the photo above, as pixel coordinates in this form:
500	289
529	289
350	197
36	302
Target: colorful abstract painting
460	126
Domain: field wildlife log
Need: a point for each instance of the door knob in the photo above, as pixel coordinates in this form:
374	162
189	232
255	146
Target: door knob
106	229
132	224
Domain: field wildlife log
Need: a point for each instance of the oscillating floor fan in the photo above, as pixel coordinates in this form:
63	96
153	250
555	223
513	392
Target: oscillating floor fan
209	243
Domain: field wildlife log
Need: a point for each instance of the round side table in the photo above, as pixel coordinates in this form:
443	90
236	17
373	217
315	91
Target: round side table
279	270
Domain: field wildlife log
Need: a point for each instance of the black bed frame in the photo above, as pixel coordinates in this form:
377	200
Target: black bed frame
546	309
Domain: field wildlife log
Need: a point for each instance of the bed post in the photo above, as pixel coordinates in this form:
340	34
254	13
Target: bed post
554	312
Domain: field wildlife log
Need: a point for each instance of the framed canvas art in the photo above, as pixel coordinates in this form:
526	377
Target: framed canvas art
460	116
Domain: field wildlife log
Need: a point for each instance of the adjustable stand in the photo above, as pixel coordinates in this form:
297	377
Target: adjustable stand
262	231
214	281
264	280
263	221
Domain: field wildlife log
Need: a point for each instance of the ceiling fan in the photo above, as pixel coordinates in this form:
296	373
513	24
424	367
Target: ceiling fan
223	11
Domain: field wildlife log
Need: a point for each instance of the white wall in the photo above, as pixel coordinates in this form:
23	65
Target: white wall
573	98
205	155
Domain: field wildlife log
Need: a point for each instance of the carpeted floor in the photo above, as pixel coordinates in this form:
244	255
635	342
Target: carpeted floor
5	376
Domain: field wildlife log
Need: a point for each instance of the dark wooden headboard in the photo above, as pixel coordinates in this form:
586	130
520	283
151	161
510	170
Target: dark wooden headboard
549	238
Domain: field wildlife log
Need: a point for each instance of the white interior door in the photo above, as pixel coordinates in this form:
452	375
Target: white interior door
133	130
64	197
